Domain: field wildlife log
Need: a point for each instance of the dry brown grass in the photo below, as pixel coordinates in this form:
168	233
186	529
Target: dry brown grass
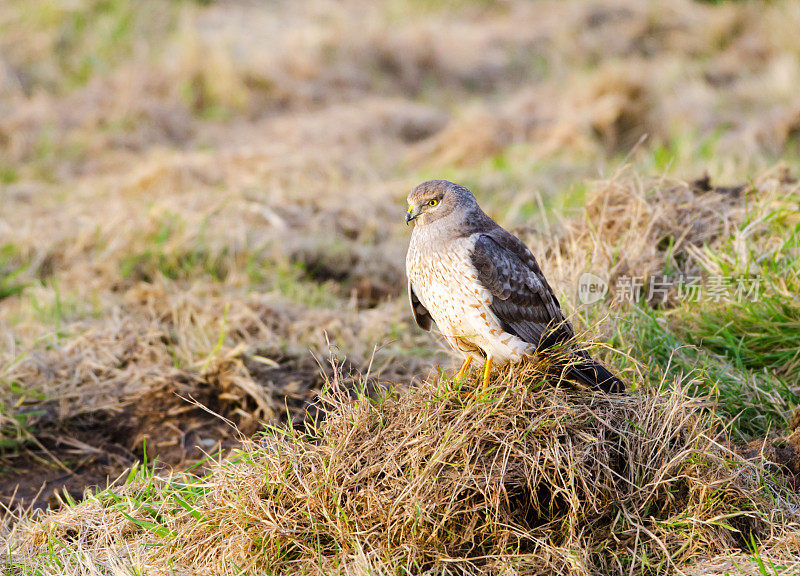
643	229
527	478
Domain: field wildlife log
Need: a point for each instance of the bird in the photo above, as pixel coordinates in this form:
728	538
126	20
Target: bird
484	289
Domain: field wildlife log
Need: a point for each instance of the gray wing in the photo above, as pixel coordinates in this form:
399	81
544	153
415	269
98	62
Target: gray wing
521	297
421	314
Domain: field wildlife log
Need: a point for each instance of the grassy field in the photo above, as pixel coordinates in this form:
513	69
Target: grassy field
202	287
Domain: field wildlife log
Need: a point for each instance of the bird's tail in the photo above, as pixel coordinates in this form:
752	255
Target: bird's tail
590	372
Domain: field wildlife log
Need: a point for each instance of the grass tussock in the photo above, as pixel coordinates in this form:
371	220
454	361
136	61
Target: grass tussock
649	229
528	478
639	229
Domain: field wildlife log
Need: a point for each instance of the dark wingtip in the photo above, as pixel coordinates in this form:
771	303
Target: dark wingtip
594	374
613	386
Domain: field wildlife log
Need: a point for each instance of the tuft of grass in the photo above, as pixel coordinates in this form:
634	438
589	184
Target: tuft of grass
8	175
16	431
176	265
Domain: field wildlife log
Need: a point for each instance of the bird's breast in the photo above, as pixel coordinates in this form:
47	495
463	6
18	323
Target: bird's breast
447	284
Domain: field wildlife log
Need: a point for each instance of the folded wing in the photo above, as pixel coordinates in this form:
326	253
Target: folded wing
521	297
526	306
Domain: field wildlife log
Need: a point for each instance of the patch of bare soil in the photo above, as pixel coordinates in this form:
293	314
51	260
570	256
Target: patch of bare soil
93	449
70	464
177	426
781	453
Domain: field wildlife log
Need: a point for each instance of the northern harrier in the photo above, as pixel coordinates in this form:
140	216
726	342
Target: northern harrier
483	287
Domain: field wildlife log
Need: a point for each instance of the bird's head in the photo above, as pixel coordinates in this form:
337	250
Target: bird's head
436	199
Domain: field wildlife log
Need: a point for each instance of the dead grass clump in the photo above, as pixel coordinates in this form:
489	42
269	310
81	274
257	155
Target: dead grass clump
130	376
619	104
646	230
529	477
609	110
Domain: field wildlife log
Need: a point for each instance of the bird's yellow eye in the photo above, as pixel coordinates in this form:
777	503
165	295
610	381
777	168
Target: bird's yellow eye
433	203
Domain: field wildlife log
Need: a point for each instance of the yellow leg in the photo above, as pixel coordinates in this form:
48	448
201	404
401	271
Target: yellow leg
487	368
464	368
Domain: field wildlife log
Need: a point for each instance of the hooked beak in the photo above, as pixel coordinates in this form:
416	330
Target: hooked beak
411	213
